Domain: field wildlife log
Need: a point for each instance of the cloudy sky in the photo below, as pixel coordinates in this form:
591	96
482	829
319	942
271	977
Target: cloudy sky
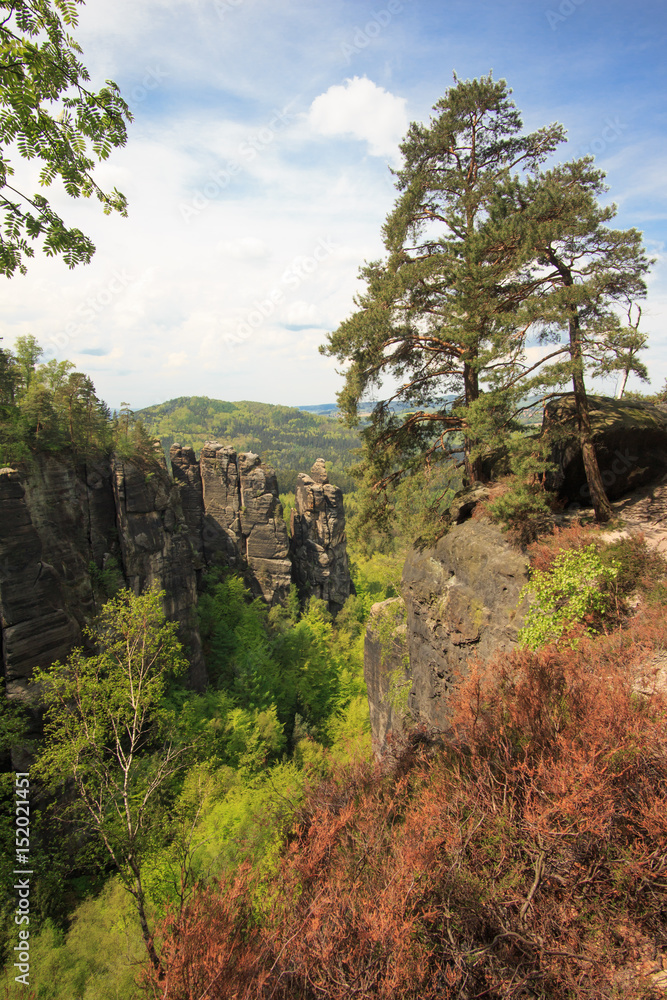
257	172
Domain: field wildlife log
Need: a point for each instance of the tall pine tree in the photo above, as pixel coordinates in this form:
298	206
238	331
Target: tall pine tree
437	320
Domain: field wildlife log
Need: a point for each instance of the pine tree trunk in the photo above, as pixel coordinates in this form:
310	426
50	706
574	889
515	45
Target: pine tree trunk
473	467
601	505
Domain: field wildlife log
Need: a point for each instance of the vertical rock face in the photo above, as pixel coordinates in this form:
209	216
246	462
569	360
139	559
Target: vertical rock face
386	668
60	523
243	522
156	549
36	625
264	531
187	476
319	553
221	531
462	599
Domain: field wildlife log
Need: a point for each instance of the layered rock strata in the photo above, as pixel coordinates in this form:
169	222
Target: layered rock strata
37	627
236	516
61	523
155	547
318	545
187	476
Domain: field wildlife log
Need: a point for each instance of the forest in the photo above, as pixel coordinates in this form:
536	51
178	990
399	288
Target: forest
284	437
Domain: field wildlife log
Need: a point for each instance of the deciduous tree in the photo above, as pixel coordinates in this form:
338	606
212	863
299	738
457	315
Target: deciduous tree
48	113
108	731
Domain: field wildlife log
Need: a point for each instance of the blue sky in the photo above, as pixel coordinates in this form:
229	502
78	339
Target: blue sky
257	172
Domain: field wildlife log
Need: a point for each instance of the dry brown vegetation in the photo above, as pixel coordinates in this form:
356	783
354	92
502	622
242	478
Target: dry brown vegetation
522	854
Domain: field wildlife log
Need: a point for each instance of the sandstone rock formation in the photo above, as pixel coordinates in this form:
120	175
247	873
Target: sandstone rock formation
241	518
462	600
187	476
318	547
630	442
263	531
36	626
60	523
155	548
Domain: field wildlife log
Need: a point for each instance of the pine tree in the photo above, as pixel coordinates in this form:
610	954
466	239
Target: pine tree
436	322
579	273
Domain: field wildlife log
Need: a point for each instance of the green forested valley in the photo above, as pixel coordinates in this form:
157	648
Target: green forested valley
286	438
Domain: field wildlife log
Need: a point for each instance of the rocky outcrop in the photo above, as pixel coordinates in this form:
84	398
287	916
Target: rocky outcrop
387	668
318	547
462	600
263	531
62	522
221	505
155	548
187	476
242	520
37	627
630	443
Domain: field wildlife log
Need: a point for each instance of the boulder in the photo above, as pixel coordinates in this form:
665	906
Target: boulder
318	546
630	443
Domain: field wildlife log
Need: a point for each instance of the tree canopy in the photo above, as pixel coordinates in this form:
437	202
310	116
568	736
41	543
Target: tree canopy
578	272
437	318
485	249
49	114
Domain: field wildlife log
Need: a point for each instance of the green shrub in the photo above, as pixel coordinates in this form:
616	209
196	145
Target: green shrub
575	591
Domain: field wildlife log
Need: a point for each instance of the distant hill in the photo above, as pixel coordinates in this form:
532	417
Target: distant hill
324	409
285	437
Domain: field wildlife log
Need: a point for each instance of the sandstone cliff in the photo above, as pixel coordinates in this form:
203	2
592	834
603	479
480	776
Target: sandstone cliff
61	521
461	600
318	547
234	515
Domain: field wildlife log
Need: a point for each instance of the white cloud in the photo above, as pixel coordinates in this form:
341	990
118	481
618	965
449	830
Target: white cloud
176	359
246	248
302	313
361	109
